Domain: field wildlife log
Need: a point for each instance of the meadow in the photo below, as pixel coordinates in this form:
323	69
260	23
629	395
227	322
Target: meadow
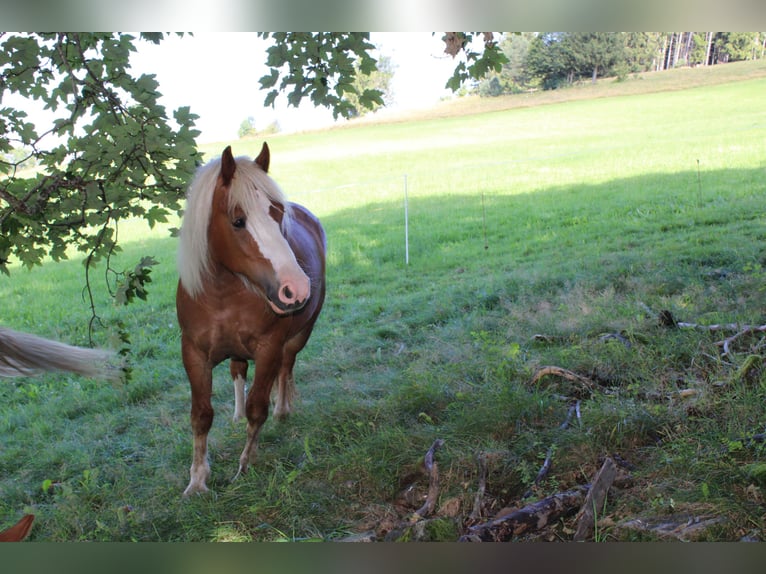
537	235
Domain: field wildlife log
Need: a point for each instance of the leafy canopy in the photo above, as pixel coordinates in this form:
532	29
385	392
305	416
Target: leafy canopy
323	67
109	152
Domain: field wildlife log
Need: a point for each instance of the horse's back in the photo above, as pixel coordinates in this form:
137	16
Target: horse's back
309	244
310	224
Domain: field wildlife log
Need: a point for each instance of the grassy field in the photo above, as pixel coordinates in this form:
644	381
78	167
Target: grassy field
548	234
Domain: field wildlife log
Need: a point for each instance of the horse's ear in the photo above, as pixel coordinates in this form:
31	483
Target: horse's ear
263	158
228	166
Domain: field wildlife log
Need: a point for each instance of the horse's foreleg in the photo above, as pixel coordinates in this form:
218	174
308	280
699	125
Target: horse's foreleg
285	388
286	382
200	468
238	370
201	380
257	405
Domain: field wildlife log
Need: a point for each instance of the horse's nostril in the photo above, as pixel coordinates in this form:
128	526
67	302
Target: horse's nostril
287	292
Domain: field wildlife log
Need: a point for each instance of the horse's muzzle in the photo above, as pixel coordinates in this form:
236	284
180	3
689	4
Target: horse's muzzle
284	301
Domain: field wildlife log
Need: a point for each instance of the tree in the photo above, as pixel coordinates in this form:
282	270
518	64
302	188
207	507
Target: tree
320	66
379	80
594	53
735	46
323	66
549	61
558	58
642	51
247	127
700	48
110	151
513	76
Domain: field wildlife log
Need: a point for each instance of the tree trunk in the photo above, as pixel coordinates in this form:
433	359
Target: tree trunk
679	40
669	52
688	48
595	74
661	59
709	45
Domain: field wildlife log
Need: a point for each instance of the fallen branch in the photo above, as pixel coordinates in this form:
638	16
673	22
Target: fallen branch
720	327
432	469
667	320
476	512
564	373
594	501
532	517
746	330
683	527
618	336
543	472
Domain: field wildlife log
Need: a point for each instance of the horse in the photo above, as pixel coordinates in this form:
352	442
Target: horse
24	355
251	286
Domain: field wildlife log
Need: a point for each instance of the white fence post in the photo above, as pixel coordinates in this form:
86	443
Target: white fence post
406	224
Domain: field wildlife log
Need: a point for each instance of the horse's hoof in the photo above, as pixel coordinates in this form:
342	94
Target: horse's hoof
195	489
281	415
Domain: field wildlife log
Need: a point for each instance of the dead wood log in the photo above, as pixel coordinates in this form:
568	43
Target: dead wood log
432	469
594	501
532	517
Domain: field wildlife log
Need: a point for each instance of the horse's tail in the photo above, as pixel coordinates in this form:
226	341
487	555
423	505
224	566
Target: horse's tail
18	531
22	354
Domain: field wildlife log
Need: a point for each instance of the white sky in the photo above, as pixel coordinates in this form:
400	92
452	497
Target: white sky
216	74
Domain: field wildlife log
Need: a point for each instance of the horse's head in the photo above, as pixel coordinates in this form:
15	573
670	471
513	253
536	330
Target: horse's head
247	232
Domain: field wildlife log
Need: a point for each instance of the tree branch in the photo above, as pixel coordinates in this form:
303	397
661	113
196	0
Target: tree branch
433	481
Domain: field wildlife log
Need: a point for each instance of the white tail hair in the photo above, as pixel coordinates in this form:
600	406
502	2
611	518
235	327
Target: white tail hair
22	354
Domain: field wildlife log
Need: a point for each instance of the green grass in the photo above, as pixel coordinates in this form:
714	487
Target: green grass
596	213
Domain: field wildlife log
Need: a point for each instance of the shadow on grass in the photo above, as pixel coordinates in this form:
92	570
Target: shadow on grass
661	224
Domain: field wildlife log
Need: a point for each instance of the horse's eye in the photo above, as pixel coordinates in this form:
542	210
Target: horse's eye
239	223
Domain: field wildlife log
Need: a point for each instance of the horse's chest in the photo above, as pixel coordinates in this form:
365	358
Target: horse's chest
230	329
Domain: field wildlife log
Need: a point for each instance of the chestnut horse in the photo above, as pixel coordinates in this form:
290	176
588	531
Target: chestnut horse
252	284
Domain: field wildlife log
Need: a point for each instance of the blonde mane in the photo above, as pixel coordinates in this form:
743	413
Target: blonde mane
249	181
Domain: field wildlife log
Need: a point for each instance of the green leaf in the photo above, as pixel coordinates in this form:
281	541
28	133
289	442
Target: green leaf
269	80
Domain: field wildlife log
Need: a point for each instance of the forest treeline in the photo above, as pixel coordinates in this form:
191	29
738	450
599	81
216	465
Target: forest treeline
550	60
